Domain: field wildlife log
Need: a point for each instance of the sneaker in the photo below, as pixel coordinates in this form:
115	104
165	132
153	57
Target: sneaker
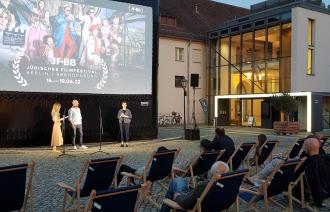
121	145
84	147
126	145
75	147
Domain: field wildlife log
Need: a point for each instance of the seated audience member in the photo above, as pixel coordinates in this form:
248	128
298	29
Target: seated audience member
222	141
205	146
256	179
139	171
317	170
179	191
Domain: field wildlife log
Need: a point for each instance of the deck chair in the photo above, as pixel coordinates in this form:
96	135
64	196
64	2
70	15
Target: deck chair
125	199
296	148
200	166
240	155
300	182
101	175
278	182
265	153
158	167
225	156
15	187
220	193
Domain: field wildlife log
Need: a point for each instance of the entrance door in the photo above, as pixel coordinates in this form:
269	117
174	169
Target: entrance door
266	119
246	111
223	112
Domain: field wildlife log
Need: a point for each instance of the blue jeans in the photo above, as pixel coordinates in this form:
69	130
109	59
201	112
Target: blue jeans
124	127
267	170
177	185
74	133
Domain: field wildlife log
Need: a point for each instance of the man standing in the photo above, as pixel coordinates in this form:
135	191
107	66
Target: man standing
124	117
64	33
75	119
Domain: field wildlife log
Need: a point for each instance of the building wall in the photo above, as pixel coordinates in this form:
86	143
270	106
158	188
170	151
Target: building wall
171	98
302	113
300	80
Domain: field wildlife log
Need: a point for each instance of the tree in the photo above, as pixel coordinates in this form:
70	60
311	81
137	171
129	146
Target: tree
285	103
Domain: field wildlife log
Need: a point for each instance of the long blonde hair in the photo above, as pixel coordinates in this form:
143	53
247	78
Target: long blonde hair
56	109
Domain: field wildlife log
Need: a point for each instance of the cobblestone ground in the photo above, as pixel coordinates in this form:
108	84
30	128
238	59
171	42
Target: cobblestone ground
50	169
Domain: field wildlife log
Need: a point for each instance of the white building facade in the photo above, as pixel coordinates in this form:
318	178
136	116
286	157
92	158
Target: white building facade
282	46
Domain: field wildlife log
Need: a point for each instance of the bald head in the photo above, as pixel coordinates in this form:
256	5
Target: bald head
219	167
312	146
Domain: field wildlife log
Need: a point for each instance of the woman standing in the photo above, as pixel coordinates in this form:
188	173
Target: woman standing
57	139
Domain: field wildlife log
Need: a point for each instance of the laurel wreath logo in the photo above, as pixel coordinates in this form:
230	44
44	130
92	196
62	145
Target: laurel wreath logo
20	80
103	81
17	74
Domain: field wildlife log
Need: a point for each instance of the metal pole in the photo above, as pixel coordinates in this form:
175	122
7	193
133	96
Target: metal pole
184	108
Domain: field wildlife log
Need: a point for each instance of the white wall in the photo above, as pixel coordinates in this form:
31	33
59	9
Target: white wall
300	81
171	98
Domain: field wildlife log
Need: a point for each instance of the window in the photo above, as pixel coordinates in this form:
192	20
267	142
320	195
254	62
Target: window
246	26
179	54
234	29
167	20
311	48
196	55
259	23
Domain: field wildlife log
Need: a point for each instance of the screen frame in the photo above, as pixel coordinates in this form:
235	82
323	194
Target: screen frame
45	99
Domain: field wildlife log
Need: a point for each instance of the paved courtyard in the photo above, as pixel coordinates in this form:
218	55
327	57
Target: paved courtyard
50	170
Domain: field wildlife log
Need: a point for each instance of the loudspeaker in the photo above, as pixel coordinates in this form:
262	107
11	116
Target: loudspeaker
194	79
192	134
178	81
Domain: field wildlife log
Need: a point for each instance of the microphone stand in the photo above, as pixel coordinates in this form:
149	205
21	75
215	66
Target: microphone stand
101	133
63	135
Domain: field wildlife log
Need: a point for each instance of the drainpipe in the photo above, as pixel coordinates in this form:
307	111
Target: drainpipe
188	81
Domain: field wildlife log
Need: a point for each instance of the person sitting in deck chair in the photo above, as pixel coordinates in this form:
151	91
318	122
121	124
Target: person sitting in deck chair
317	170
178	189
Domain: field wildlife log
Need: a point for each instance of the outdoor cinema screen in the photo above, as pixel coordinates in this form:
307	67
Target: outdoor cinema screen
75	46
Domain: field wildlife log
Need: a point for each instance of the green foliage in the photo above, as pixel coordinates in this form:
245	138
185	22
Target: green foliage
285	103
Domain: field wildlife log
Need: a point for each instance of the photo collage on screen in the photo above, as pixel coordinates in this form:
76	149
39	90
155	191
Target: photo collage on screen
75	46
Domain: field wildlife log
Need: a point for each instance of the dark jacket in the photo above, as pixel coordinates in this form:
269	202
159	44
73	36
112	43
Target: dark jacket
224	142
128	113
188	200
317	171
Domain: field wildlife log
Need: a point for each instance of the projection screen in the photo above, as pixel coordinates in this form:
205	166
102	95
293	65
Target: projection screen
78	46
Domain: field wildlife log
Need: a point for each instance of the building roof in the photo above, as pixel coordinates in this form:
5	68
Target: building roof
263	11
194	18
